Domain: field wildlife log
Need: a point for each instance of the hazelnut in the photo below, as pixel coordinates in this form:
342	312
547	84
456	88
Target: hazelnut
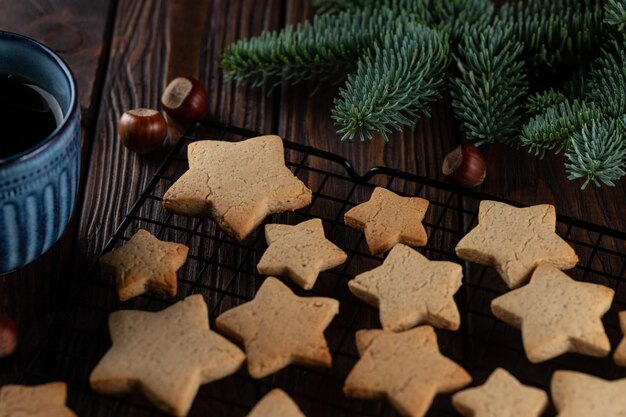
8	336
142	130
185	100
464	166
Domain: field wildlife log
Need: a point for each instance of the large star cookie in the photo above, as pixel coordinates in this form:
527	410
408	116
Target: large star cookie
406	368
145	264
409	290
579	395
387	219
300	252
276	404
502	395
516	240
620	353
46	400
166	355
279	328
557	315
237	184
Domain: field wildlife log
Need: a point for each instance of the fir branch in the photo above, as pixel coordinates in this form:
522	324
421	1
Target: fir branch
457	16
393	85
539	102
597	153
555	30
485	97
327	45
615	13
607	85
554	128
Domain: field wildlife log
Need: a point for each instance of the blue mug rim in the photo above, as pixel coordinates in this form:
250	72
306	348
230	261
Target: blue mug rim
69	115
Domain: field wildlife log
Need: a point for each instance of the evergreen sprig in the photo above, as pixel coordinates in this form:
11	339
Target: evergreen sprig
485	96
597	153
553	129
607	84
615	13
393	85
541	101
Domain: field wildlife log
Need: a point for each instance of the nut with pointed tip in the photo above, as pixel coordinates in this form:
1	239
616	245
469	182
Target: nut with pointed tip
8	336
185	100
142	130
464	166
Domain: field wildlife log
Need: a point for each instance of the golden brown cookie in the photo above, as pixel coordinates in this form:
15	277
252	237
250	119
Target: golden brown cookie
501	396
516	240
387	219
405	368
276	404
237	184
409	289
47	400
166	355
279	328
145	264
579	395
300	252
620	353
557	315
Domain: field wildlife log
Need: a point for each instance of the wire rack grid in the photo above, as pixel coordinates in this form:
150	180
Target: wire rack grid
224	271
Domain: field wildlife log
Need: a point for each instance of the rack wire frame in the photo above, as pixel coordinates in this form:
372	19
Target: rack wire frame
224	271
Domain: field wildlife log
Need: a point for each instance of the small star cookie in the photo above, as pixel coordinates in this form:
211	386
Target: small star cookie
557	315
579	395
47	400
166	355
516	240
145	264
620	353
276	404
406	368
409	289
501	396
279	328
387	219
300	252
237	184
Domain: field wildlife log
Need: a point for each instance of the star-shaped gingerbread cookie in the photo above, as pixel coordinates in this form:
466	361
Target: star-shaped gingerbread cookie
516	240
166	355
37	401
405	368
579	395
409	289
276	404
145	264
279	328
557	315
237	184
300	252
502	395
387	219
620	353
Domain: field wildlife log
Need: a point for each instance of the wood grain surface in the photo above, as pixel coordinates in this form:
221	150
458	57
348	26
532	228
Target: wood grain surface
152	41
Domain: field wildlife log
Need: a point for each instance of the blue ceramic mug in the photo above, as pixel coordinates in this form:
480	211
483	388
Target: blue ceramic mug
38	185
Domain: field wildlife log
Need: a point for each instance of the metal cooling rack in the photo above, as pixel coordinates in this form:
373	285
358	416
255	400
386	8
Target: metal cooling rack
224	271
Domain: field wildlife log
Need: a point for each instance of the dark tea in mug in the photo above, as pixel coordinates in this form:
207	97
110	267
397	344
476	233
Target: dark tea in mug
28	114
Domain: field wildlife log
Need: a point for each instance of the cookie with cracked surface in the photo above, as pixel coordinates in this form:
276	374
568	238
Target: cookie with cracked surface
405	368
516	240
502	395
557	315
409	289
278	328
620	353
166	355
300	252
145	264
387	219
580	395
237	184
276	404
47	400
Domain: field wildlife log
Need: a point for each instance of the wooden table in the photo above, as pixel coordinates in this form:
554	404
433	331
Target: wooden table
123	52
